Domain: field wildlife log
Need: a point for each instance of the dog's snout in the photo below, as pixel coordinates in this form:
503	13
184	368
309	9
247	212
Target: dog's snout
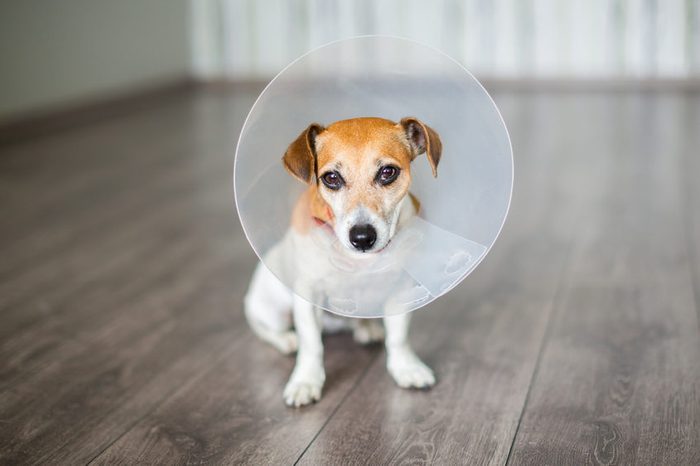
362	237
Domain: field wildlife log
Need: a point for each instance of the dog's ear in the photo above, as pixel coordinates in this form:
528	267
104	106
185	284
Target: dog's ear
300	157
423	139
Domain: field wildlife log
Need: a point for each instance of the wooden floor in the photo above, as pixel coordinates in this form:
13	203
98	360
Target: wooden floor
123	266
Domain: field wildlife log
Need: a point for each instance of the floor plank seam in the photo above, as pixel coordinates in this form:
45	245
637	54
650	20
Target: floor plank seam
335	410
554	306
164	400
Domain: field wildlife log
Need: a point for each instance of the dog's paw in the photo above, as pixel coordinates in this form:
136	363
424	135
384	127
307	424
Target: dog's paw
368	331
304	387
408	371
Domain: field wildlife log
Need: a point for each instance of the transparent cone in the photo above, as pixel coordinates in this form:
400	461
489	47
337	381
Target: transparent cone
462	210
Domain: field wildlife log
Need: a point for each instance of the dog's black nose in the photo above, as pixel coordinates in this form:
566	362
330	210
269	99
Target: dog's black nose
363	236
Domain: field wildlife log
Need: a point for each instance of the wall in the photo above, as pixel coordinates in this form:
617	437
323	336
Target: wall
68	51
59	52
513	39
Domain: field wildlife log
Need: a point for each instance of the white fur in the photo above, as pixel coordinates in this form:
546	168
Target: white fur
270	308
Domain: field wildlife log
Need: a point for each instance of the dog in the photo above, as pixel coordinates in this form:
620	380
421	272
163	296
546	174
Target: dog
358	173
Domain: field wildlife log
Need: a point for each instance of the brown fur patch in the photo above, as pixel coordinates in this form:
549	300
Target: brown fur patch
310	205
346	137
415	202
356	148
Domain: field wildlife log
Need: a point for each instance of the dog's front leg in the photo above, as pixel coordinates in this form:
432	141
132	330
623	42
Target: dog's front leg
404	366
306	381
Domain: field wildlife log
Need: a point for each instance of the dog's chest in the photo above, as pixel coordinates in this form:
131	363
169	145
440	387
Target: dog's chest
320	271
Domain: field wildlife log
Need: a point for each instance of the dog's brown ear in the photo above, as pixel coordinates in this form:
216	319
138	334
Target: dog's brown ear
300	157
423	139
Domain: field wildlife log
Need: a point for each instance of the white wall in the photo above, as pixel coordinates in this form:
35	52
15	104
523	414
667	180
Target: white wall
561	39
57	52
65	51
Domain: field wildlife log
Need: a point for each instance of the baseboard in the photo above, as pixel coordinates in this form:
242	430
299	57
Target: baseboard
32	125
525	84
575	84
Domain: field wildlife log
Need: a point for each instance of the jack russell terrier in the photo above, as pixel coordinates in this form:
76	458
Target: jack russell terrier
358	173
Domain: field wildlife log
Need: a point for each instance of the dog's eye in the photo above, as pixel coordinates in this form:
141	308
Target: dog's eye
332	180
387	175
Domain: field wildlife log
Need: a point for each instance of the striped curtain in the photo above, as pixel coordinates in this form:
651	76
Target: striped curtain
580	39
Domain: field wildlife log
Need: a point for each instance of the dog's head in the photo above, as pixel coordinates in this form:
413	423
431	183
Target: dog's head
362	170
